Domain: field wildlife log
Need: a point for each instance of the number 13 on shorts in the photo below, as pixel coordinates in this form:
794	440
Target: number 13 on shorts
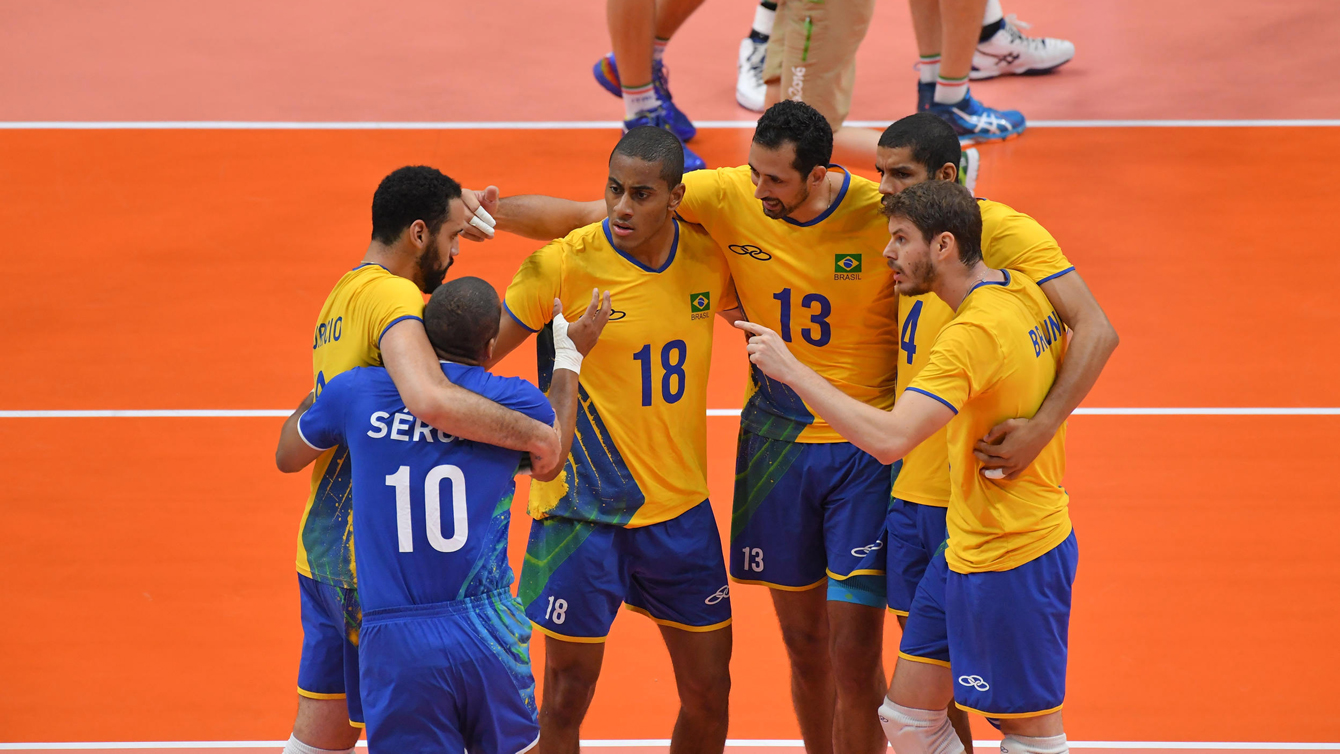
753	559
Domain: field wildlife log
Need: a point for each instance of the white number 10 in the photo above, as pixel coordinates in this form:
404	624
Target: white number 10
432	497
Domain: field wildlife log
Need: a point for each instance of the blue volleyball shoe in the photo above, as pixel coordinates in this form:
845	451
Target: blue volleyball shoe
976	123
658	119
606	73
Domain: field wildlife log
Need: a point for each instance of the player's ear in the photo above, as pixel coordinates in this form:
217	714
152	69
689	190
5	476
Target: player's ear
677	196
418	233
488	350
947	172
818	174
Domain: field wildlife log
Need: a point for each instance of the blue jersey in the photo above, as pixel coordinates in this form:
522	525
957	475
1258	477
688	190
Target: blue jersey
431	512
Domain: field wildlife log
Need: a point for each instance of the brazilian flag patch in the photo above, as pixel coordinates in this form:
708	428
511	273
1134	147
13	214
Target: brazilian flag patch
700	302
847	263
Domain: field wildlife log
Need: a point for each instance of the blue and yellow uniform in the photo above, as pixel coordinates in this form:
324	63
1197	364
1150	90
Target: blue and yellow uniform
994	605
916	521
366	302
627	520
444	644
808	505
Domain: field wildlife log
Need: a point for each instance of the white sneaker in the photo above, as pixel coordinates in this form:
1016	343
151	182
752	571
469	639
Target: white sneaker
749	87
1010	51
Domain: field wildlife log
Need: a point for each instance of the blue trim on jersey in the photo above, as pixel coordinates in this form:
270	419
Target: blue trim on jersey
361	265
846	182
674	246
1056	275
1006	273
518	319
393	323
932	395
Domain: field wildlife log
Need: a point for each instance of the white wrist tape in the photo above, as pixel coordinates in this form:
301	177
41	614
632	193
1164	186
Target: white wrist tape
566	355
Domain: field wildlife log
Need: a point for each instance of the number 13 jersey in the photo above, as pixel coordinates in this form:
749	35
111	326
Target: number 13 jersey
639	455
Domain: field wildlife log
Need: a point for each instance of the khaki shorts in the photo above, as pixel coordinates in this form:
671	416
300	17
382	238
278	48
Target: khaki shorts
812	53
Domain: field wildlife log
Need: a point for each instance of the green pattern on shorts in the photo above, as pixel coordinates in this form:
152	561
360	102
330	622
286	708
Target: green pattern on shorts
764	469
557	540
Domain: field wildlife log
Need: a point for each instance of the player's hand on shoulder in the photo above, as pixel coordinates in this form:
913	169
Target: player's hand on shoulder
768	352
479	207
585	331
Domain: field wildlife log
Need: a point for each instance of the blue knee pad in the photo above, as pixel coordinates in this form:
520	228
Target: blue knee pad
863	589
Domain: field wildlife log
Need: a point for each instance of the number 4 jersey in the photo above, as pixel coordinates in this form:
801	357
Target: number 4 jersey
639	455
430	521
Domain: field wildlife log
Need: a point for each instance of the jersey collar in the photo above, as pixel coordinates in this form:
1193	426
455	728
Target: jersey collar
1006	281
674	247
361	265
846	182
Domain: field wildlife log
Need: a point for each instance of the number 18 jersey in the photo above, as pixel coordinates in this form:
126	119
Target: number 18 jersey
639	455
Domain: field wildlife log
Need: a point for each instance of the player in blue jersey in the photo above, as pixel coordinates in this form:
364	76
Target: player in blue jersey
444	659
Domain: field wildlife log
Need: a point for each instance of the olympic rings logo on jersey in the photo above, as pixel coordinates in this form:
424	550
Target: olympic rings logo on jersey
720	595
748	250
975	681
616	315
862	552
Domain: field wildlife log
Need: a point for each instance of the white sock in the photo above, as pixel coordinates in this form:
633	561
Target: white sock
993	12
658	49
918	731
638	100
950	91
928	68
294	746
1013	744
763	18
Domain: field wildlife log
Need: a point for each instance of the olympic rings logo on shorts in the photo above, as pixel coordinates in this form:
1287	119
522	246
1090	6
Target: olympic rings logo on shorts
753	252
975	681
721	594
862	552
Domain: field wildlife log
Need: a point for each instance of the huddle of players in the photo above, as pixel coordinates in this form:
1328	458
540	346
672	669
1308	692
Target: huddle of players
969	542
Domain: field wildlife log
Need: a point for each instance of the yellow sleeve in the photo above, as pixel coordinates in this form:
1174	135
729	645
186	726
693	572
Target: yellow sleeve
530	296
1018	242
729	298
963	363
389	300
702	196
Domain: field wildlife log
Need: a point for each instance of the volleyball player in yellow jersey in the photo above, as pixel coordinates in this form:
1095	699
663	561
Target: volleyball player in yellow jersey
801	237
988	627
373	318
628	521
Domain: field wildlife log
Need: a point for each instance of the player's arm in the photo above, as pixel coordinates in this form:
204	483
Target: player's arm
430	396
531	215
1012	445
293	453
572	342
886	435
511	334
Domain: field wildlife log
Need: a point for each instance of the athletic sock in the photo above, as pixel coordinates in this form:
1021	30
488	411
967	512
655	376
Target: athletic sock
993	13
294	746
638	99
764	15
929	68
950	91
989	30
658	49
1013	744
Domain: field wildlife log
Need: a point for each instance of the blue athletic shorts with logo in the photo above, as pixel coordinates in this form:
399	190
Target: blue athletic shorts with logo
806	512
450	676
329	665
1003	634
913	532
577	573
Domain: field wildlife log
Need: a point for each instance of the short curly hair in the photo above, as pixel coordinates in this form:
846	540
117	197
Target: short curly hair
803	127
411	193
936	207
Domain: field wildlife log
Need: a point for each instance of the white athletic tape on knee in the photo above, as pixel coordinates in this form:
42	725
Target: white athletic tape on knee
918	731
1034	745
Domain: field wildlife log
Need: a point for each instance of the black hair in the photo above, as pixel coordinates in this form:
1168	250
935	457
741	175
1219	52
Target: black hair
932	141
408	194
803	127
462	317
656	145
936	207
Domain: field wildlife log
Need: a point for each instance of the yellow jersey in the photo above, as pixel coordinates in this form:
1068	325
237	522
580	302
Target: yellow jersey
996	360
364	304
639	455
808	282
1011	240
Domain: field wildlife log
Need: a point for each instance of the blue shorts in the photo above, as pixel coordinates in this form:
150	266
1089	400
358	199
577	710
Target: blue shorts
329	665
913	532
1004	634
452	676
577	574
806	512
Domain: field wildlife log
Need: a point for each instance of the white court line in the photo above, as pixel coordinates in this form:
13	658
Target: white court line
193	413
553	125
662	742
